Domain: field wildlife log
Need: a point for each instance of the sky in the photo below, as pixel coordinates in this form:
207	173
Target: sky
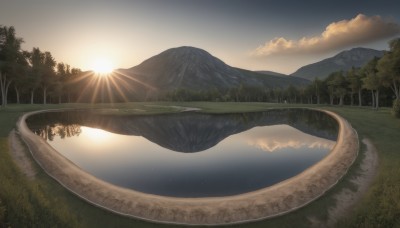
280	35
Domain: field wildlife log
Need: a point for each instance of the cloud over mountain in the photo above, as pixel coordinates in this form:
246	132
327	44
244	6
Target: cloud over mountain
359	30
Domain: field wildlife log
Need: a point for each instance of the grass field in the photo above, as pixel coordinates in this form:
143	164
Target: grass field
42	202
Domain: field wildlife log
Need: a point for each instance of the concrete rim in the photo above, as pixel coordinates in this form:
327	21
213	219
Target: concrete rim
272	201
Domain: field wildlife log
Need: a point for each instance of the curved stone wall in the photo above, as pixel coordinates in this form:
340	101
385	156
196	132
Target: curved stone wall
272	201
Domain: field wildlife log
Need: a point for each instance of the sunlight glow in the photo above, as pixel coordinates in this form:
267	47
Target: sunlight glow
102	66
109	87
94	134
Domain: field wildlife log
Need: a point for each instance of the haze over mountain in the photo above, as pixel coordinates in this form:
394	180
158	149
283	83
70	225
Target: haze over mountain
345	60
195	69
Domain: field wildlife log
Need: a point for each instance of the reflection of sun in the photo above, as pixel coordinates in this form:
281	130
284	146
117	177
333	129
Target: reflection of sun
102	66
95	134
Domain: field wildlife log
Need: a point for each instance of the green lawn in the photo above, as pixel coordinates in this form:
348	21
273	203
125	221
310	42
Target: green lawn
44	203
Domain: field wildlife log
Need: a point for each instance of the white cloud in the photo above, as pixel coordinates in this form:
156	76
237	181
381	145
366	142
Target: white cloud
359	30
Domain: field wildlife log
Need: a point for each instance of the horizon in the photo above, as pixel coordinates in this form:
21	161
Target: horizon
269	36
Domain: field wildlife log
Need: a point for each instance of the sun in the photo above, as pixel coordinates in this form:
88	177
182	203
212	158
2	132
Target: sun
102	66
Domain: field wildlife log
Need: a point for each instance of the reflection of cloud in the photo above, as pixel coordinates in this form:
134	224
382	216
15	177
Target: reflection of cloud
359	30
283	136
273	145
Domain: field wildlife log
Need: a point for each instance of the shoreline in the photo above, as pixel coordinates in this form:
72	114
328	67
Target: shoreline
272	201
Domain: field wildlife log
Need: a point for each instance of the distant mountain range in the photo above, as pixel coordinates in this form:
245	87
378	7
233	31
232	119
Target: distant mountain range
345	60
195	69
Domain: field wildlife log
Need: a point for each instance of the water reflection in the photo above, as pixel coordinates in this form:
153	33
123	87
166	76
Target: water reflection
187	132
237	152
276	138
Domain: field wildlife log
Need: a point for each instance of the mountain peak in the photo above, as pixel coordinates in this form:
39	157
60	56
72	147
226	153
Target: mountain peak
187	49
186	67
187	55
358	52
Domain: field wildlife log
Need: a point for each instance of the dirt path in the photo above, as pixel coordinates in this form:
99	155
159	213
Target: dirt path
347	198
17	151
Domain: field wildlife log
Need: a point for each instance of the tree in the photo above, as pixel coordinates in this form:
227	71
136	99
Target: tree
20	76
337	86
372	81
48	75
36	59
388	68
292	94
308	93
353	78
63	76
278	95
302	93
317	84
72	84
11	58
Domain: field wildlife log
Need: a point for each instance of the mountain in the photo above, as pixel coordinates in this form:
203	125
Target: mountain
267	72
273	81
195	69
186	67
345	60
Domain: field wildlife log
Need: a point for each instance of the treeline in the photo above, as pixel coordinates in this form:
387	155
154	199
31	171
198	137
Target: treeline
243	93
30	72
317	92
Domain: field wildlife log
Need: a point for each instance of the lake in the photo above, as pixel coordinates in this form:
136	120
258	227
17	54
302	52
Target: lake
190	154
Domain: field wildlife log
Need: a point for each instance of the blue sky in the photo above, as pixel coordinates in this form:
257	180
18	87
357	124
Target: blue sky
251	34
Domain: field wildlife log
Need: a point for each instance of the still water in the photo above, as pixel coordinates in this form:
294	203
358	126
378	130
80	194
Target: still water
190	154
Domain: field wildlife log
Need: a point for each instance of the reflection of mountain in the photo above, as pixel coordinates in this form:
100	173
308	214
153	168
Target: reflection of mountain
193	132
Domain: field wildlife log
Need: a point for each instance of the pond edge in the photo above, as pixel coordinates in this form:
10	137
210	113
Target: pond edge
276	200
